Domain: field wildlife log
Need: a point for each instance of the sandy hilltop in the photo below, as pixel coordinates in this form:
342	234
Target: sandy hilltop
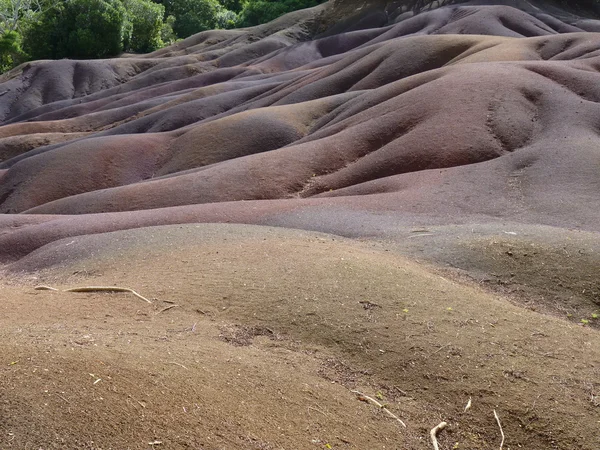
354	203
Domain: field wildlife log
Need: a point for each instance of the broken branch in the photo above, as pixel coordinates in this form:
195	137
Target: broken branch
177	364
468	405
44	288
499	426
166	309
107	289
364	397
95	289
434	432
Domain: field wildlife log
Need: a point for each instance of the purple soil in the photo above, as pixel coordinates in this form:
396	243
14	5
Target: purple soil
473	113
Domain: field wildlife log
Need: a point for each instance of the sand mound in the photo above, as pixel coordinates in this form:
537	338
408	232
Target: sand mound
379	111
287	323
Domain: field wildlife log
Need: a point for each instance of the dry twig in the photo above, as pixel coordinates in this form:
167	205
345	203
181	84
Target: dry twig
439	350
434	432
499	426
318	410
404	393
95	289
364	397
468	405
60	396
167	308
44	288
107	289
177	364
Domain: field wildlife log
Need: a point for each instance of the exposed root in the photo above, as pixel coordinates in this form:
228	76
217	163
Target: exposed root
166	309
95	289
499	426
107	289
434	432
44	288
177	364
468	406
366	398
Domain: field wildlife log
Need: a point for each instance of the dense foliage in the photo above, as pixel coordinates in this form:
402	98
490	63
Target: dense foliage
261	11
144	26
11	52
51	29
77	28
193	16
14	15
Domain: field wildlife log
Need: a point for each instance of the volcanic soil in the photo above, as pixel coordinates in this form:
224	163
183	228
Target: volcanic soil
354	203
257	337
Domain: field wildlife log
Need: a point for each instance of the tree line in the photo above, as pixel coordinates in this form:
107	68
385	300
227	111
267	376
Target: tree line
54	29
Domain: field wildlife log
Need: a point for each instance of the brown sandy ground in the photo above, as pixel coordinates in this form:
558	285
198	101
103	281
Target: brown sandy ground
547	269
272	330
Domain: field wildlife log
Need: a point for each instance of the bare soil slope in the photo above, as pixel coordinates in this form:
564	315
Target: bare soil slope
271	332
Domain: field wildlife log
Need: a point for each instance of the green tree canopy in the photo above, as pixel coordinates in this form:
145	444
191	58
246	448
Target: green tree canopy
79	29
11	52
193	16
255	12
144	25
15	16
96	29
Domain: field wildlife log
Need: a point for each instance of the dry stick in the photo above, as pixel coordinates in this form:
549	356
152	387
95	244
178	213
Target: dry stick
376	403
95	289
44	288
60	396
434	432
318	410
439	350
401	391
177	364
499	426
107	289
167	308
468	405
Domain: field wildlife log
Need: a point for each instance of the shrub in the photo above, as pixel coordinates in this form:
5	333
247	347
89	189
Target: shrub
145	20
78	29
